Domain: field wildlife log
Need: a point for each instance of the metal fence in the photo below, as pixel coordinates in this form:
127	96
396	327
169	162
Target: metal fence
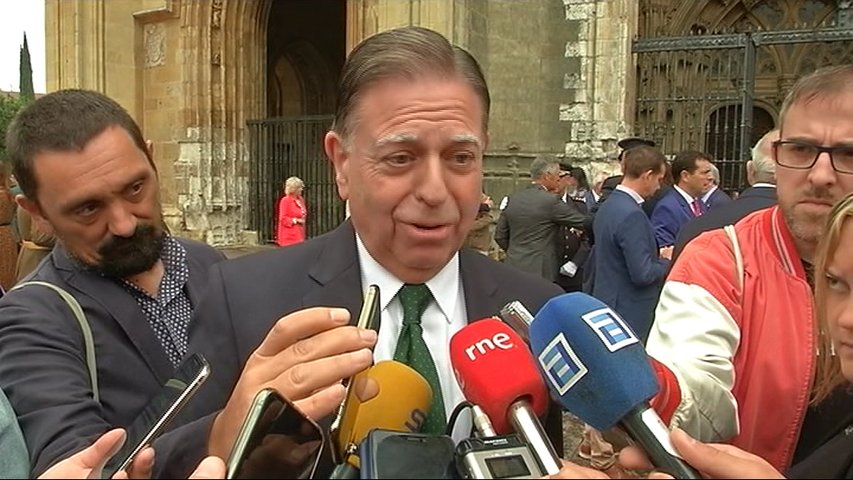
291	146
699	92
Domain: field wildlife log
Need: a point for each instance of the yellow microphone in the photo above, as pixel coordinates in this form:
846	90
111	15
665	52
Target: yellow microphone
403	399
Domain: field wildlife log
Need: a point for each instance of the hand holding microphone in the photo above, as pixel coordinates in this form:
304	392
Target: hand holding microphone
598	369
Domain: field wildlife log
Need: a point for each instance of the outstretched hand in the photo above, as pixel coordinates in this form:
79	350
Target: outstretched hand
713	460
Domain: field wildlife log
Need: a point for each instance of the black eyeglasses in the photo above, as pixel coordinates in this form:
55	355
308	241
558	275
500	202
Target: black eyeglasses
803	156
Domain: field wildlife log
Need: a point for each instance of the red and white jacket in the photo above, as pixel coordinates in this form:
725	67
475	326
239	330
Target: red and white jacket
738	364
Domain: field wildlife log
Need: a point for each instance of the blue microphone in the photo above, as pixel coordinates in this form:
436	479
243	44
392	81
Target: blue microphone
596	367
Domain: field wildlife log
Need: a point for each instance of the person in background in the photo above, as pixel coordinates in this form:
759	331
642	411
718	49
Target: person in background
629	267
574	246
36	243
735	340
833	316
761	175
292	213
691	172
481	235
8	242
714	197
529	228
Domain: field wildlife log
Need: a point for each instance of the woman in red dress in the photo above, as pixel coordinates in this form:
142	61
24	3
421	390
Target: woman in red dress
291	213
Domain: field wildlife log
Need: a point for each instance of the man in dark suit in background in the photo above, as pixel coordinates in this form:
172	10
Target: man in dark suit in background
407	147
714	196
574	248
629	267
761	175
691	172
530	225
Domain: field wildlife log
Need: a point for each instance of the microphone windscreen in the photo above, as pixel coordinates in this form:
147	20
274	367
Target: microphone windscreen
401	403
591	360
494	369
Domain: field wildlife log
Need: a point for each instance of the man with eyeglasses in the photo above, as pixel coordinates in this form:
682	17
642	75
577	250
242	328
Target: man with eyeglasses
734	340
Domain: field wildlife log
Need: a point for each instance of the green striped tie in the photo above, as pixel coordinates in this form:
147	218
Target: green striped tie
413	351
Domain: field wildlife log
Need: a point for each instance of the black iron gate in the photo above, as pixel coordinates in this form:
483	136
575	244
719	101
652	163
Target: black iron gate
284	147
700	92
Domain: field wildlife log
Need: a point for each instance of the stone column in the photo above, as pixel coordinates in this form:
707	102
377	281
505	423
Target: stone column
601	92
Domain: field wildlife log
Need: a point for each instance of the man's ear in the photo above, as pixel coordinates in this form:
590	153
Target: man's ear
149	145
35	212
335	150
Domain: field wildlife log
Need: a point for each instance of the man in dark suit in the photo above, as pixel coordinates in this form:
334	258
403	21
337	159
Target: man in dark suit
629	267
88	176
529	227
407	151
714	196
691	172
574	241
761	175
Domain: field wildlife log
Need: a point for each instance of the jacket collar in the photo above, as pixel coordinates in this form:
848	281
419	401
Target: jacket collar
336	270
119	304
784	244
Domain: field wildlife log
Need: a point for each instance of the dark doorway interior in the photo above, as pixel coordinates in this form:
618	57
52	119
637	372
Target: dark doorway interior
306	48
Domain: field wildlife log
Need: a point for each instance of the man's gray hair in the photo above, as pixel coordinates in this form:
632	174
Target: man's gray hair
543	165
404	53
763	164
715	174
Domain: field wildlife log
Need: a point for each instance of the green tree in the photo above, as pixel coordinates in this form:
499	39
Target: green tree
9	106
26	71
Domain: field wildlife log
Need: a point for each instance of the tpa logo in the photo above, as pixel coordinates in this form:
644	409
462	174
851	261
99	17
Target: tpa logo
561	365
610	328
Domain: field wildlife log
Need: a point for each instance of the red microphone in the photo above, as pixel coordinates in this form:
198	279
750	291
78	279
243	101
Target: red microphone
497	372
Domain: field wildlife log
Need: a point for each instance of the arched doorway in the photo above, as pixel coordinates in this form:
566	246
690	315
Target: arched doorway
723	141
306	49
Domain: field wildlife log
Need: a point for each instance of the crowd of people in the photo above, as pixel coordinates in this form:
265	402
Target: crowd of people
407	146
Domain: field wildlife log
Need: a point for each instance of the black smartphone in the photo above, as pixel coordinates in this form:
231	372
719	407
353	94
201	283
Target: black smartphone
389	454
368	319
275	441
157	414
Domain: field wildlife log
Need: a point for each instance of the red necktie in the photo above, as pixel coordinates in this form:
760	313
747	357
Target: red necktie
697	210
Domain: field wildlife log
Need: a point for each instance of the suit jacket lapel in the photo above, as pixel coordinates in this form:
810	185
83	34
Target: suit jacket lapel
479	287
121	306
338	274
683	202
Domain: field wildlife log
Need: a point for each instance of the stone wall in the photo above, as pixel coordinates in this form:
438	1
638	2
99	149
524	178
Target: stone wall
599	83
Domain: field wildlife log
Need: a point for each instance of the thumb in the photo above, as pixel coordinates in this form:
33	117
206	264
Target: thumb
97	454
721	461
210	467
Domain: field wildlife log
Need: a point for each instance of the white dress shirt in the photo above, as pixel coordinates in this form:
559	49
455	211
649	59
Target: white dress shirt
630	191
444	315
687	197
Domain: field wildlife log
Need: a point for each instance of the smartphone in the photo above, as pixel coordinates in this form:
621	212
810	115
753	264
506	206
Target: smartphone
368	319
157	414
275	441
389	454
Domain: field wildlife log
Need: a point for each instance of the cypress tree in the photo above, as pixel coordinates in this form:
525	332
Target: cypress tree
26	71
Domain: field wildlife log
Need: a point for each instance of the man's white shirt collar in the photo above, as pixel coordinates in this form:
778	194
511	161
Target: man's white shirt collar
443	286
630	191
684	194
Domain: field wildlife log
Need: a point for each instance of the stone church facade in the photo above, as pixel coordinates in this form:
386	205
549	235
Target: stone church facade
235	94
